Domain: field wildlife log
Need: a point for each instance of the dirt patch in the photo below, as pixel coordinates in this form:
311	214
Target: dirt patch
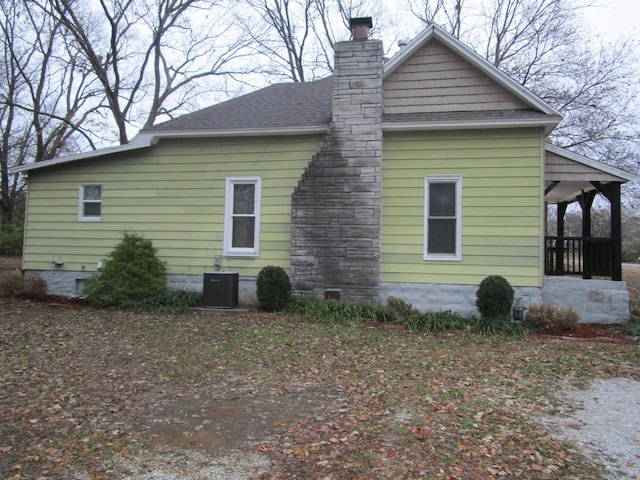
216	426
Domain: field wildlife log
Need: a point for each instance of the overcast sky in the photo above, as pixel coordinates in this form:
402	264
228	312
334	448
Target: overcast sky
615	17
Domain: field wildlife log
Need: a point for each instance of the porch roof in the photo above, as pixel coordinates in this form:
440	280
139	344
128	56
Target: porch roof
569	174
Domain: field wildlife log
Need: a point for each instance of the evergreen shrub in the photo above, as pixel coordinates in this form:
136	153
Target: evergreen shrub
11	240
131	272
273	289
494	298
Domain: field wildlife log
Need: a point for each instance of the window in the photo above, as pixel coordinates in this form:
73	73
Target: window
90	203
443	217
242	216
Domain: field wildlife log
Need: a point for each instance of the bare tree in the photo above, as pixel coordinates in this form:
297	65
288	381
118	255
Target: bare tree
296	37
148	55
541	44
38	118
444	13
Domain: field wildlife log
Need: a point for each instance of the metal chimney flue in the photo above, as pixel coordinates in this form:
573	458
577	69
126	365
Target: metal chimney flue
360	28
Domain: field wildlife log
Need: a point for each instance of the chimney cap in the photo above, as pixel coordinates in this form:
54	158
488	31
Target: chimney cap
360	28
361	22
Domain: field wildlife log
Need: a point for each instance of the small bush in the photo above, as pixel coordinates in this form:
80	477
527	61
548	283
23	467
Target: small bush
494	298
131	272
11	240
552	317
273	289
402	307
35	288
11	284
632	327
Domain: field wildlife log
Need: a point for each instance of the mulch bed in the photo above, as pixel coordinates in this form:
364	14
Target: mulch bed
591	332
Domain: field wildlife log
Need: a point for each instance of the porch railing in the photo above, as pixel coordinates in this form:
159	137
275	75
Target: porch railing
578	256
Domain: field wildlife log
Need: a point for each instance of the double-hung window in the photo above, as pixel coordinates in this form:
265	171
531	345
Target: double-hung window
242	216
90	203
443	217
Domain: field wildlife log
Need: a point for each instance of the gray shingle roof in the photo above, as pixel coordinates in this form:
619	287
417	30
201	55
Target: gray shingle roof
278	106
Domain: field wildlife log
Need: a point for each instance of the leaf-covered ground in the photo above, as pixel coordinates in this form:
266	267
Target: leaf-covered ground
81	390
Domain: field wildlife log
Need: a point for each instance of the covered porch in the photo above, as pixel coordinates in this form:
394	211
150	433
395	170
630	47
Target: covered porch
572	178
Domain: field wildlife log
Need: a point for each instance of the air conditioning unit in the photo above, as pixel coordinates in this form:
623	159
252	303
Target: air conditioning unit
220	290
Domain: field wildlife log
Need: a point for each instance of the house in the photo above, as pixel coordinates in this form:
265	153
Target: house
414	177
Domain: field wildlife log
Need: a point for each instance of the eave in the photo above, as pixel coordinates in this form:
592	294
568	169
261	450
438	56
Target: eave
548	124
146	140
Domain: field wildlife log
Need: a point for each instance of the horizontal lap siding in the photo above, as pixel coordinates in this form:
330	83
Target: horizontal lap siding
173	193
435	79
501	205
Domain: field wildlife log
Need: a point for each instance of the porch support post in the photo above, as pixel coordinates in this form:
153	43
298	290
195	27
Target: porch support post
612	192
586	201
562	210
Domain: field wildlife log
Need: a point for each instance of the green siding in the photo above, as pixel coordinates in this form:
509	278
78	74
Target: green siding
173	193
502	172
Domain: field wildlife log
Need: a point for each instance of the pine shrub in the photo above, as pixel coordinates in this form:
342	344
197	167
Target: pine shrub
273	289
131	272
494	298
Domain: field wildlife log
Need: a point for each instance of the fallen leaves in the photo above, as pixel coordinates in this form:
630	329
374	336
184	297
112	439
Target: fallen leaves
78	386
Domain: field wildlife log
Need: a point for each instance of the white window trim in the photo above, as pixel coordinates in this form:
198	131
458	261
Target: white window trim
81	202
457	179
228	250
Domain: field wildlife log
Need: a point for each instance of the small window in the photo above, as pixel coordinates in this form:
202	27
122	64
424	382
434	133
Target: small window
443	218
90	203
242	216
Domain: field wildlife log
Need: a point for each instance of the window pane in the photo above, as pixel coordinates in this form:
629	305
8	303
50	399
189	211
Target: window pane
92	192
243	198
243	232
442	199
91	209
442	236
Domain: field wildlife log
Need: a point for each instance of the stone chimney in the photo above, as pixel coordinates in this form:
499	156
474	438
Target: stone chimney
336	208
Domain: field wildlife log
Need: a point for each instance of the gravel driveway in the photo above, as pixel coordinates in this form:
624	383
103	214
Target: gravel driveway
606	424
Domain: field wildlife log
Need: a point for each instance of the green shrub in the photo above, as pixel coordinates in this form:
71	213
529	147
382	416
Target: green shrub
169	301
543	317
632	327
494	298
273	289
131	272
11	240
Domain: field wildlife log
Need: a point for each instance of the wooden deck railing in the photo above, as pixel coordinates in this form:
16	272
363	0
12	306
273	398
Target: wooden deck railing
578	256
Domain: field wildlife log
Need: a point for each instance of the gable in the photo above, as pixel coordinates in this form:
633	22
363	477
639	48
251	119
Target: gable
435	80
